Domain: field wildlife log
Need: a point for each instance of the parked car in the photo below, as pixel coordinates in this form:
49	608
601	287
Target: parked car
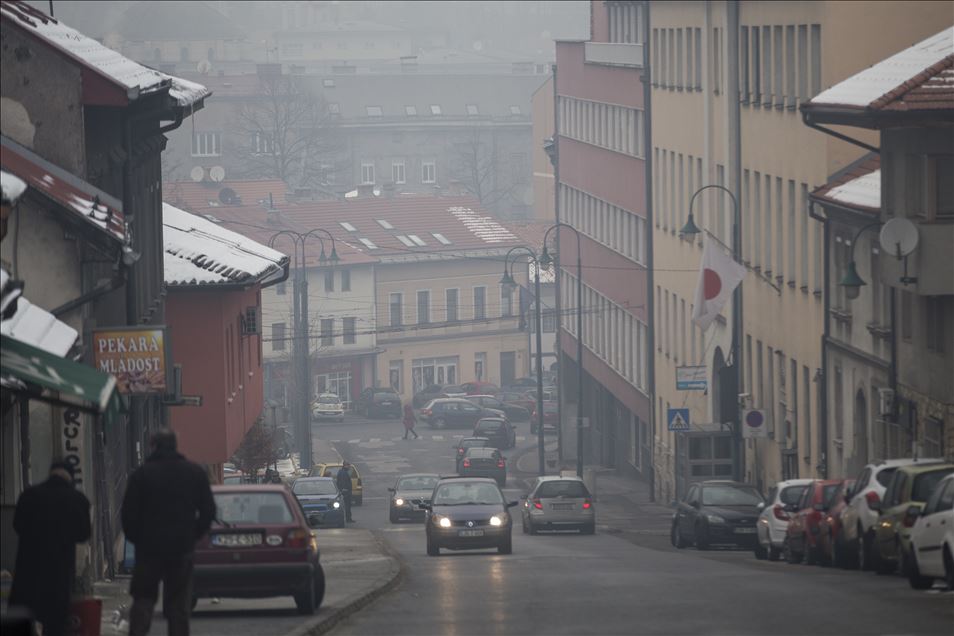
331	470
556	503
859	518
468	442
932	539
514	412
801	536
480	388
233	478
484	462
379	402
468	513
551	418
328	405
498	430
265	526
455	413
528	382
831	534
407	495
773	519
716	512
428	393
454	390
319	496
909	488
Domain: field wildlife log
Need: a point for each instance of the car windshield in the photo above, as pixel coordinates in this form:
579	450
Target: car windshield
417	483
328	399
792	494
555	489
730	496
243	508
473	443
884	476
491	425
385	394
924	484
315	487
460	494
482	453
453	388
828	492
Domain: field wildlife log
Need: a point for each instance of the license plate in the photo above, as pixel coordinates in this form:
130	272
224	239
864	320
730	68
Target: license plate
233	540
561	506
470	533
386	403
745	530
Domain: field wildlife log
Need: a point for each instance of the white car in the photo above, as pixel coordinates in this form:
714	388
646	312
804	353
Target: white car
773	520
858	519
328	405
932	539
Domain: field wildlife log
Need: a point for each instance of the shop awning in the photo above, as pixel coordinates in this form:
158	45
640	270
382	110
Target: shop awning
46	377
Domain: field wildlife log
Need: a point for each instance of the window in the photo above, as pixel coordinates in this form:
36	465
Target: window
514	110
278	336
549	319
410	111
385	224
717	61
428	172
472	110
941	191
506	301
327	332
261	144
397	172
404	240
395	374
396	310
450	300
374	111
480	363
348	330
816	58
368	243
330	280
334	108
935	309
435	109
480	303
328	83
206	144
346	280
441	238
423	307
416	240
744	61
802	63
367	173
347	226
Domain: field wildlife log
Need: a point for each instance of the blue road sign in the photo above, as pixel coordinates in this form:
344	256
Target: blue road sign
677	419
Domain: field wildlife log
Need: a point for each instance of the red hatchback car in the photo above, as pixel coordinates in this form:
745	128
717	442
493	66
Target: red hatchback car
804	526
260	545
830	535
480	388
551	418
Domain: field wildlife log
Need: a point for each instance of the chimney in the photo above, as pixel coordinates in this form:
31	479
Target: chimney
365	191
388	190
273	216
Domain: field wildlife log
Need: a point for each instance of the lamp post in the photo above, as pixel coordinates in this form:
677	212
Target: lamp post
508	281
691	229
301	344
546	260
851	281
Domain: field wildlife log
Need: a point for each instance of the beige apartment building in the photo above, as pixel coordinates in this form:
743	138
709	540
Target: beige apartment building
733	121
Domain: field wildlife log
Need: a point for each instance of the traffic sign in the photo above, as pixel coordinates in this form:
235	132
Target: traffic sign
677	419
754	424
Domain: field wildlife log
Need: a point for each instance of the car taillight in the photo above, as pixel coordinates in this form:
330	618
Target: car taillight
500	463
460	451
779	512
426	412
586	504
297	538
466	463
537	504
872	498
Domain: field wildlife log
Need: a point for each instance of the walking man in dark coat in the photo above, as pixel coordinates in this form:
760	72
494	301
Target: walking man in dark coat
50	519
343	479
168	506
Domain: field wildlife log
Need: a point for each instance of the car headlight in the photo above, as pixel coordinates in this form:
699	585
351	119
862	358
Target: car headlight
444	522
336	504
496	520
715	519
398	502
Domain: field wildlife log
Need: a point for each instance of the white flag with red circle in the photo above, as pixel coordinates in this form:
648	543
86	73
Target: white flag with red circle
719	275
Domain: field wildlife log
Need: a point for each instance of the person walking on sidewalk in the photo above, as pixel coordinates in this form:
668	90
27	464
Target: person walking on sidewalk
168	506
409	421
50	519
343	480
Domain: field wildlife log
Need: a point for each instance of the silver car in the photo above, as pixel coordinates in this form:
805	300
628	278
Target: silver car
558	503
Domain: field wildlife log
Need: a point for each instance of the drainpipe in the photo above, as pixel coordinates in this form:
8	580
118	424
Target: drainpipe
650	276
822	465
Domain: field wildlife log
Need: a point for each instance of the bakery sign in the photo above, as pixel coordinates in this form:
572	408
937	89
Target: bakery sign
137	357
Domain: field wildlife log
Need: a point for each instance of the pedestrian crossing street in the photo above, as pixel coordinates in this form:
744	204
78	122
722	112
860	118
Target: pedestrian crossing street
399	438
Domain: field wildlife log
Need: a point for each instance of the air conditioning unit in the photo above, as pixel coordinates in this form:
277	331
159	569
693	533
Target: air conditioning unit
885	401
251	322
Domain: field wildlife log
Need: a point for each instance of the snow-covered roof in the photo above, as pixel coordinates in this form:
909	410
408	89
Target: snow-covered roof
12	186
483	226
36	326
88	53
890	79
201	252
863	191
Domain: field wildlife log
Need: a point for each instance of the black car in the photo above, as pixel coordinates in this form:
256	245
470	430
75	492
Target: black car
498	430
514	412
717	512
319	496
379	402
455	413
468	513
484	462
407	495
428	393
468	442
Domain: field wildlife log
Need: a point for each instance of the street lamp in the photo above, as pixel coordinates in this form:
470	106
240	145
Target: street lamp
301	343
851	281
546	260
508	281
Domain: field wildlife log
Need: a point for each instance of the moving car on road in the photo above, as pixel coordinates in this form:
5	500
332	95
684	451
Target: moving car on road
932	539
407	495
331	470
463	444
327	405
468	513
556	503
717	512
514	412
774	518
379	402
484	462
319	496
260	546
455	413
801	536
498	430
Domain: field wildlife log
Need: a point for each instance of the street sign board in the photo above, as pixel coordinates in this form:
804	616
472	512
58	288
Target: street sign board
754	424
677	419
691	378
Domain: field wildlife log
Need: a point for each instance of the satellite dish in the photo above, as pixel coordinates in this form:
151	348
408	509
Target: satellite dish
899	237
197	174
228	196
204	66
217	173
478	45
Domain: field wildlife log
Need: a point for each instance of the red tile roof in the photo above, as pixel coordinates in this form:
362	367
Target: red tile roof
202	195
844	189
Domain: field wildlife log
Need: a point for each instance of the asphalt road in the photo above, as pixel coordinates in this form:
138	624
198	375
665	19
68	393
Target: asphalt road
602	584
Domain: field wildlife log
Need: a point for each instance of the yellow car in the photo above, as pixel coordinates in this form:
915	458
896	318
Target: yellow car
331	470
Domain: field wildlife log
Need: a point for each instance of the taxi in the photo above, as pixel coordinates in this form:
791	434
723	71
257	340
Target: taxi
331	470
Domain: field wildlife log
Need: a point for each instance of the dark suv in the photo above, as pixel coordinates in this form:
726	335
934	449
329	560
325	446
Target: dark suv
455	413
498	430
515	412
379	402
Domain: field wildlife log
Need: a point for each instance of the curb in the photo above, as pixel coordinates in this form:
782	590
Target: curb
392	579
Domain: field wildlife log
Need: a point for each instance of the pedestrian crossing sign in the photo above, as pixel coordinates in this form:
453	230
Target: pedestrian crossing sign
677	419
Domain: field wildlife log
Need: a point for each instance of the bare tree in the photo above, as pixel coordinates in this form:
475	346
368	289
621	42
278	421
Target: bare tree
476	164
257	449
287	132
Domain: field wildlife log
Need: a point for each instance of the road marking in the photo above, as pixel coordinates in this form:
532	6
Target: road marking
521	438
375	439
354	441
397	439
437	438
336	441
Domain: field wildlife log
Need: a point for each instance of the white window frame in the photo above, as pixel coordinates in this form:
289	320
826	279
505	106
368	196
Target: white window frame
398	172
428	172
417	306
367	169
400	304
207	143
484	308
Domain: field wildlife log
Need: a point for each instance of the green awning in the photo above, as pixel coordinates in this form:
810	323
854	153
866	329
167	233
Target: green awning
44	376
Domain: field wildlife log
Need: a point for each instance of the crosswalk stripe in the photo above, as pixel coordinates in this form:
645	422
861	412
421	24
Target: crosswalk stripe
437	437
336	441
521	438
354	441
375	439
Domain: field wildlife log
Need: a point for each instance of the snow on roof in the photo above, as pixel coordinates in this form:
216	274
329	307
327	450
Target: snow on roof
200	252
483	226
36	326
896	73
12	187
135	78
864	191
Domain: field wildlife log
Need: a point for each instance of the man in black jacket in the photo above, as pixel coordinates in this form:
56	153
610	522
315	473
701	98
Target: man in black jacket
168	506
343	479
50	519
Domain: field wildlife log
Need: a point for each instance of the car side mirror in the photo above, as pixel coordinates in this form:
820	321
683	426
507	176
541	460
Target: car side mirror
391	490
760	506
314	521
424	506
695	504
913	512
511	504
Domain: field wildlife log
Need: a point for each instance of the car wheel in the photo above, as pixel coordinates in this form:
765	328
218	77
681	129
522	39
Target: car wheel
701	538
811	554
917	581
676	537
589	528
305	599
533	528
523	526
884	566
948	568
791	556
865	562
432	548
760	552
506	547
774	554
393	517
319	586
341	524
440	423
837	552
